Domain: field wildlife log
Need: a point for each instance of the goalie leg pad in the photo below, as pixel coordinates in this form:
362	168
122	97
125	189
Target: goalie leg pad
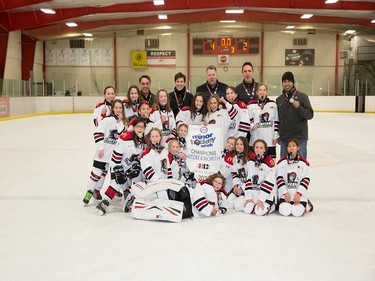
142	190
157	209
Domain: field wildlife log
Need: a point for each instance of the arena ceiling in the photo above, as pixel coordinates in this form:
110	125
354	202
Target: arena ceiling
127	17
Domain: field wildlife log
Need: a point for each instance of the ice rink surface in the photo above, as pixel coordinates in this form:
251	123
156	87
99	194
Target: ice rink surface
47	234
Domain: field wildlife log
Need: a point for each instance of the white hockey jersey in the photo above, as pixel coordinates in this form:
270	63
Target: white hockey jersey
168	127
203	198
226	165
175	167
267	118
240	124
127	152
155	165
185	116
240	171
105	136
131	112
293	176
223	117
97	115
261	180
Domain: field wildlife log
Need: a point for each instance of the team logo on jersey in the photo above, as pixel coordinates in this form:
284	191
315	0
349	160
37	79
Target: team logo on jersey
166	129
112	137
242	174
292	180
164	168
232	125
264	120
132	160
255	179
292	176
264	117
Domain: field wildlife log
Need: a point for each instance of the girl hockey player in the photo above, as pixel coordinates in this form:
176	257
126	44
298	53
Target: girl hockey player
154	161
103	109
221	117
196	113
227	162
260	189
240	124
144	113
293	179
125	164
181	154
132	102
240	173
174	159
264	120
105	136
161	111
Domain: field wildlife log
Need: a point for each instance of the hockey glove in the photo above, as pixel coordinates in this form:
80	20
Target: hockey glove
119	174
134	171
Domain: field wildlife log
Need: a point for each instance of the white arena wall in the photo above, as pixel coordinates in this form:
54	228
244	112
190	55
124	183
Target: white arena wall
20	106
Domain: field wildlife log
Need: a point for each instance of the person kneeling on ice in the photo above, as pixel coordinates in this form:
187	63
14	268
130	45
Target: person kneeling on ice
293	180
205	200
260	191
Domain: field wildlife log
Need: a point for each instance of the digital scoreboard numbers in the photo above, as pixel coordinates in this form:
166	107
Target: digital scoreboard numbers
226	46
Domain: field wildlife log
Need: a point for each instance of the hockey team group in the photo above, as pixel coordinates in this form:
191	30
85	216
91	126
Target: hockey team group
141	142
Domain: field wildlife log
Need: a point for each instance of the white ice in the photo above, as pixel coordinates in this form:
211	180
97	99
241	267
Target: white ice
47	234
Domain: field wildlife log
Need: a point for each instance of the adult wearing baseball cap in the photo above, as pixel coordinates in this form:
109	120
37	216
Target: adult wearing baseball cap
294	110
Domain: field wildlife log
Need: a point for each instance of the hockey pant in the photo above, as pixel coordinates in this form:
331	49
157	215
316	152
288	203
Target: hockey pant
288	208
235	202
97	176
252	208
175	190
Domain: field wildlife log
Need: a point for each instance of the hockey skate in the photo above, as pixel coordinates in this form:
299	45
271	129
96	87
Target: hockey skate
119	194
97	195
128	203
102	207
88	196
310	206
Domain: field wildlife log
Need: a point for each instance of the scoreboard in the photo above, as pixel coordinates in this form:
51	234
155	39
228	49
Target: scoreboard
226	46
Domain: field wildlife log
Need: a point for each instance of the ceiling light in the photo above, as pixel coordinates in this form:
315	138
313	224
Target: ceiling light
71	24
158	2
162	17
228	21
373	21
48	11
331	1
166	27
350	31
306	16
87	34
234	11
290	26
